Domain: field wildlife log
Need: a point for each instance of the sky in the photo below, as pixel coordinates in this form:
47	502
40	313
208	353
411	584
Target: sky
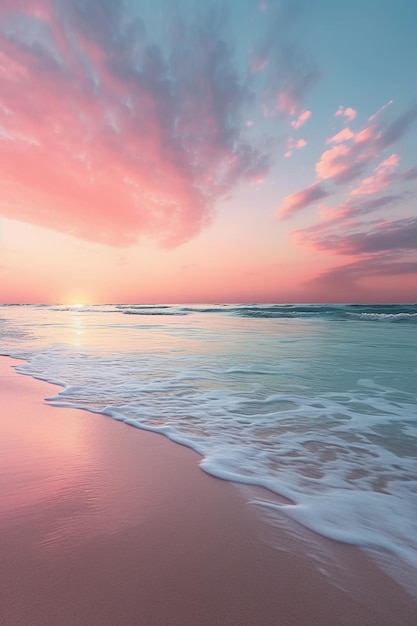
208	151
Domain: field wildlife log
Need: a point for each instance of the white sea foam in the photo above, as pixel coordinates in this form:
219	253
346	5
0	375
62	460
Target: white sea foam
324	415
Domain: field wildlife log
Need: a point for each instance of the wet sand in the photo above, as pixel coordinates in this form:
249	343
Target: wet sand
104	524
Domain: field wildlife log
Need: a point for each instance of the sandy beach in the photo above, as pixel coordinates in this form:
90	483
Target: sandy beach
105	524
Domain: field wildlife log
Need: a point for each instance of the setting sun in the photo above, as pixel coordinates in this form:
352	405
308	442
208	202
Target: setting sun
77	301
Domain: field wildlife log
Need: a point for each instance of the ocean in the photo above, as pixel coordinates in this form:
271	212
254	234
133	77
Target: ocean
315	403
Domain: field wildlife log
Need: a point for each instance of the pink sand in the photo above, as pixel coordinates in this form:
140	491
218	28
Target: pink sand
103	524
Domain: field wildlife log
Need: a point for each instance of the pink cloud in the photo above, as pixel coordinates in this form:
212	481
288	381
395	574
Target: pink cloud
383	176
381	247
344	162
344	135
347	112
102	149
334	162
301	199
302	118
365	134
294	144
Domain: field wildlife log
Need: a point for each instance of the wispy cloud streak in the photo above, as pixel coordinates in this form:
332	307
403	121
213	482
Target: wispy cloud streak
301	199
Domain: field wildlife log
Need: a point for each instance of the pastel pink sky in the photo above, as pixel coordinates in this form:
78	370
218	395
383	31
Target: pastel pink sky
201	154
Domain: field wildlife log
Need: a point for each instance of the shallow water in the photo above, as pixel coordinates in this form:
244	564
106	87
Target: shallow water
315	403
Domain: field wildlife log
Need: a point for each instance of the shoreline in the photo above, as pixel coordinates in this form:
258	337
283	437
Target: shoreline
107	525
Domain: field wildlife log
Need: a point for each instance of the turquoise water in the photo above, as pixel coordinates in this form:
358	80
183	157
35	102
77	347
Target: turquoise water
316	403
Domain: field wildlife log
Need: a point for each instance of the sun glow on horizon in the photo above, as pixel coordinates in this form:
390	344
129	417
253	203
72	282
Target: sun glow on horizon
78	301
